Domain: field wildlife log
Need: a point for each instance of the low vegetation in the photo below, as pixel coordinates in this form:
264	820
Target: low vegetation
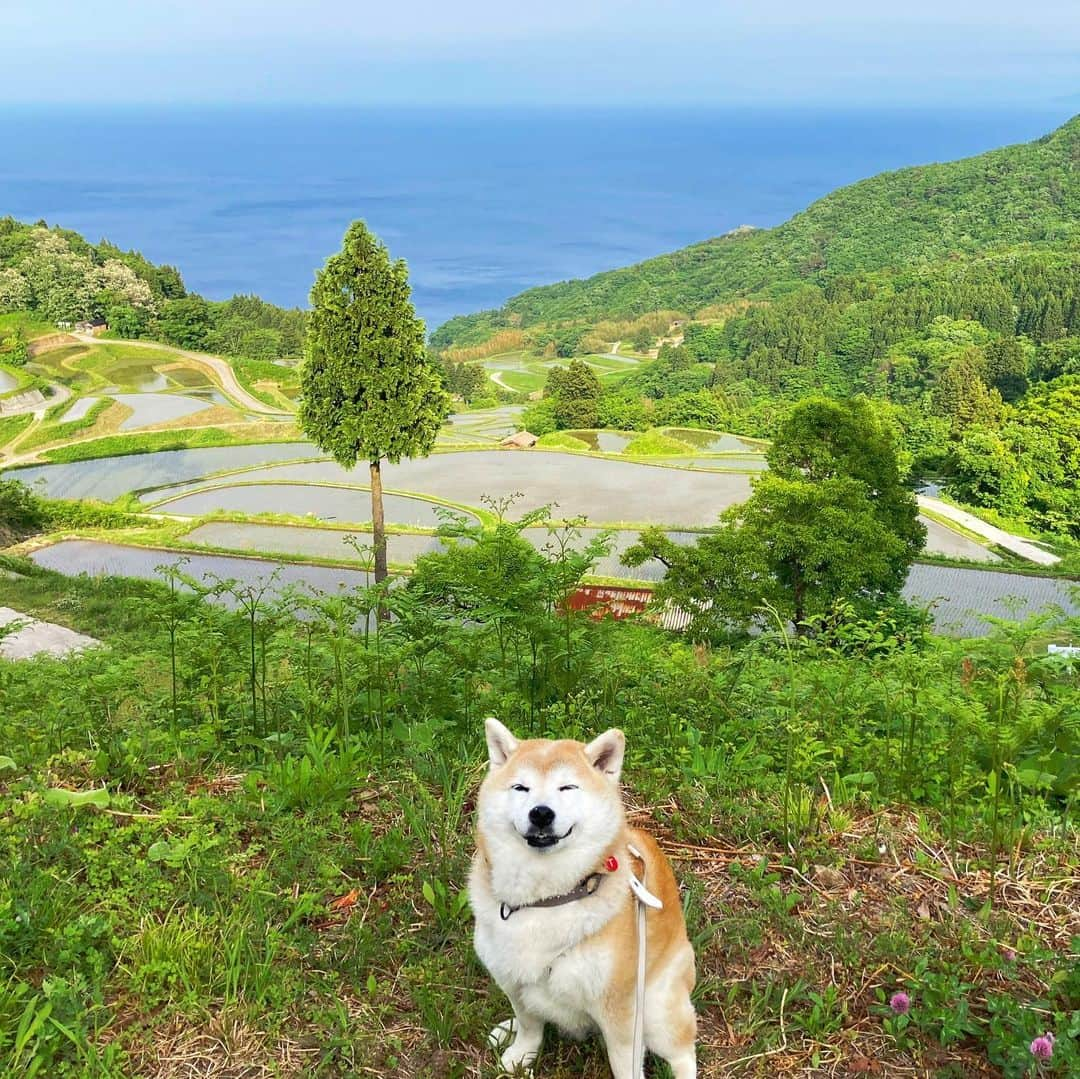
232	832
656	444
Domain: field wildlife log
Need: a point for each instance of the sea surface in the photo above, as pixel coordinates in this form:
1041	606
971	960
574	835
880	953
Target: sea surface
482	203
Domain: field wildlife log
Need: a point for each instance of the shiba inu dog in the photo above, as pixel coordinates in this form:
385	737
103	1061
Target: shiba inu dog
556	916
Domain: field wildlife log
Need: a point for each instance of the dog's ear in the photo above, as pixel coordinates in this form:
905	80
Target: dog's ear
500	742
606	753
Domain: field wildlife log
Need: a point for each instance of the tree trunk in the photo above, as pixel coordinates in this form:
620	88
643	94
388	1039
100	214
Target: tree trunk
378	523
800	608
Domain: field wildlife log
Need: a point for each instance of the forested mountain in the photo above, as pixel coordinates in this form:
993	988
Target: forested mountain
948	294
1025	194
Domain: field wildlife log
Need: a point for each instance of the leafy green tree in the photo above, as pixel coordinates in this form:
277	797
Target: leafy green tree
823	439
622	412
699	409
575	391
1007	367
985	472
466	380
20	511
185	322
127	321
14	350
831	521
368	388
260	344
15	292
798	546
962	396
538	417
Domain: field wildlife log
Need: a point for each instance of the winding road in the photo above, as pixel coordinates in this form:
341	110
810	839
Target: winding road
1018	546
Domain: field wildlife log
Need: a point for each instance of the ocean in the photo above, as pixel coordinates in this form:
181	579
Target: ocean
481	203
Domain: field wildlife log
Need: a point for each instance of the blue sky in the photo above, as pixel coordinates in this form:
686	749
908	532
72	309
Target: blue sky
685	52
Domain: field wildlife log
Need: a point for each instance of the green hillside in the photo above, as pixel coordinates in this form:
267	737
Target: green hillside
1028	193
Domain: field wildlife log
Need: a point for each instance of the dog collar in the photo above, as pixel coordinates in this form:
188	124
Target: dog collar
586	888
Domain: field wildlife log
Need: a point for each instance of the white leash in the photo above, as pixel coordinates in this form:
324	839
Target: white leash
645	898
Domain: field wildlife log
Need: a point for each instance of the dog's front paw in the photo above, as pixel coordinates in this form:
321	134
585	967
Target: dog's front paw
502	1035
514	1057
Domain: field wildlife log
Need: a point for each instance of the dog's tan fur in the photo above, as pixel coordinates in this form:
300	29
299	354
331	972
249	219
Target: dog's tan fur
576	965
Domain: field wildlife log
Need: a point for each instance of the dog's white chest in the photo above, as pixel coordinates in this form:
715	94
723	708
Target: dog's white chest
549	962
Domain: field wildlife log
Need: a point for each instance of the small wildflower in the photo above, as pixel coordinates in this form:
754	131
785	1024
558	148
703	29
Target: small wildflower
1043	1046
901	1004
1008	954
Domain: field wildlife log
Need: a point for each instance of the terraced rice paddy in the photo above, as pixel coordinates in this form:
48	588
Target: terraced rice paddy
85	556
961	598
79	410
402	548
108	478
525	373
601	489
603	441
294	478
153	409
327	503
712	442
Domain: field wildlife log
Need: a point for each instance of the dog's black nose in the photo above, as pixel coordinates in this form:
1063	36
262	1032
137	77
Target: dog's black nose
541	816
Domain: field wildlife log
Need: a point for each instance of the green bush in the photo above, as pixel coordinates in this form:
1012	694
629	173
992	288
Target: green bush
539	418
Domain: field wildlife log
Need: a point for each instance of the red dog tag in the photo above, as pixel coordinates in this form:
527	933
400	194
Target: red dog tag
611	864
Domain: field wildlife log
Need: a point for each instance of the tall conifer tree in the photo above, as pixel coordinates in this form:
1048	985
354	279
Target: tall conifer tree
368	390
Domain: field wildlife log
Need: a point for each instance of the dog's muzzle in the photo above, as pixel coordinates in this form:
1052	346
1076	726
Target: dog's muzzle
545	839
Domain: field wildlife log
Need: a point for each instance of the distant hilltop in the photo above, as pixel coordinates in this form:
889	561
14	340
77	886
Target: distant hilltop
1026	194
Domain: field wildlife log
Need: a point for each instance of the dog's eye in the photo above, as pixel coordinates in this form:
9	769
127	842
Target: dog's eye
569	787
520	787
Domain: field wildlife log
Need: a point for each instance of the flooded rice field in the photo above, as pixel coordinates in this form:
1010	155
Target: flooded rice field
108	478
402	548
349	505
150	409
602	490
603	441
715	442
961	598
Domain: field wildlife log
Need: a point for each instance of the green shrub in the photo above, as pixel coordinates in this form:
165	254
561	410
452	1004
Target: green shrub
539	418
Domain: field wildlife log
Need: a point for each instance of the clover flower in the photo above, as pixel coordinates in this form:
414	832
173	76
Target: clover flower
901	1004
1043	1046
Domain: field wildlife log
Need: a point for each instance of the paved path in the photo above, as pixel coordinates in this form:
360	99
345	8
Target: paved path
35	638
496	377
996	535
222	368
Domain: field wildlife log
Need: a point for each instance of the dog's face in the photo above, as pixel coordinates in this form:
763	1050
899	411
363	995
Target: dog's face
551	796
